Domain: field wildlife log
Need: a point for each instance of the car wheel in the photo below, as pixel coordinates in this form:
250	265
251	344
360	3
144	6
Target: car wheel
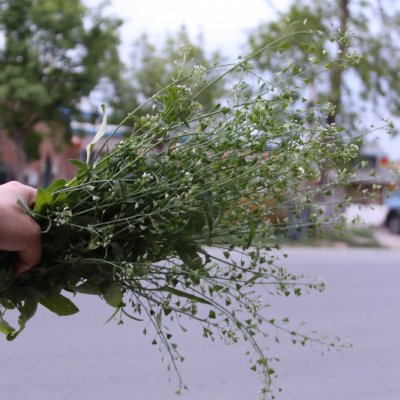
394	224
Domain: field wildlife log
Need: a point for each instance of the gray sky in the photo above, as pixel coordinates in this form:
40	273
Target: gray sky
223	23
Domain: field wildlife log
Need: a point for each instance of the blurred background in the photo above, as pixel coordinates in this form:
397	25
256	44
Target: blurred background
60	60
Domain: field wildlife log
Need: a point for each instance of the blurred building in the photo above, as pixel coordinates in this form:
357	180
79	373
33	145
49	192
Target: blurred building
53	161
369	187
371	177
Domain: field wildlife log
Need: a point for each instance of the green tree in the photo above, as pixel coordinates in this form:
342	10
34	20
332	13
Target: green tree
357	89
154	67
55	52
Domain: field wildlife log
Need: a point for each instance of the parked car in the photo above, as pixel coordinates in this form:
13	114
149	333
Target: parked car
392	201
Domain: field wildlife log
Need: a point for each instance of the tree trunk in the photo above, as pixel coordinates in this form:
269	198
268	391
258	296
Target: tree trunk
337	70
335	98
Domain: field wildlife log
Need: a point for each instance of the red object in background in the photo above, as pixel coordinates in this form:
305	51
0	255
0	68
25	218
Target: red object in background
384	162
76	142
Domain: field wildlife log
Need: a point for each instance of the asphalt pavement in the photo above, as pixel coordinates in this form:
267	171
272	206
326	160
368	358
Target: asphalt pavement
81	357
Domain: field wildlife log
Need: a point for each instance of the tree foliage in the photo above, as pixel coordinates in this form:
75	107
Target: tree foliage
54	54
155	66
355	90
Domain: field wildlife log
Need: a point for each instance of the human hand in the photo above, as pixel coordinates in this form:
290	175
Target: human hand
18	231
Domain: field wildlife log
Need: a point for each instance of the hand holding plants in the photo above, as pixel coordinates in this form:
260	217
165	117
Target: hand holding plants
18	232
178	221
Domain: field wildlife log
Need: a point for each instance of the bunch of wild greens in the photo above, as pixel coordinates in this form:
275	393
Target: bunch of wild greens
177	220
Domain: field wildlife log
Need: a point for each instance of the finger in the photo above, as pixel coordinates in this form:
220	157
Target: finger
29	256
17	189
30	196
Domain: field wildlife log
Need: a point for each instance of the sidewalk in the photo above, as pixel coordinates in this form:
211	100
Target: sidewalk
387	239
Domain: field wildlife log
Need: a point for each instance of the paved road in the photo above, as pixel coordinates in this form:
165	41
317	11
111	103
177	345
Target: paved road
81	358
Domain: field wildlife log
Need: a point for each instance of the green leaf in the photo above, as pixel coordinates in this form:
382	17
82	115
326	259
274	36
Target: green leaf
117	310
7	303
113	295
58	184
5	328
43	198
283	47
87	288
83	168
78	163
59	305
188	254
27	311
